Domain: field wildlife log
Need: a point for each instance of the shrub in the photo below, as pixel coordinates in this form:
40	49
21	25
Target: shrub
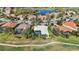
71	39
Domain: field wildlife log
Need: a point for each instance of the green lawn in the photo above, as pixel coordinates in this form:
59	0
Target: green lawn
71	39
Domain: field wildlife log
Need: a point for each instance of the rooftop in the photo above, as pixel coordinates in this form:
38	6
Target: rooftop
70	23
42	28
22	26
9	24
43	12
64	29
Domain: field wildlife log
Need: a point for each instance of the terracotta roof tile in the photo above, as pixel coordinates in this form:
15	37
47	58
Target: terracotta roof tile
64	29
71	24
9	24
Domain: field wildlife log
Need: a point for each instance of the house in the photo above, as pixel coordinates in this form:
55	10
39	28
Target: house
41	30
9	25
76	17
31	17
20	17
68	18
54	20
42	17
67	27
43	12
70	25
21	28
70	13
62	28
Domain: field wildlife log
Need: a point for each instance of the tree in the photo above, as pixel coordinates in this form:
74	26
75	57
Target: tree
65	34
77	22
56	31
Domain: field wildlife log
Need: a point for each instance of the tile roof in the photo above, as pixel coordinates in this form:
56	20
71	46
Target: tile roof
70	24
9	24
64	29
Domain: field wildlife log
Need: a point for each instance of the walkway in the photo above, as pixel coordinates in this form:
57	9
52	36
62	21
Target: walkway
37	45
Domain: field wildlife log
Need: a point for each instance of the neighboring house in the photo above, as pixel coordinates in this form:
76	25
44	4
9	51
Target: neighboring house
67	18
31	17
76	17
70	25
66	27
70	13
56	14
41	30
9	25
42	17
51	15
21	28
44	22
54	20
62	28
20	17
43	12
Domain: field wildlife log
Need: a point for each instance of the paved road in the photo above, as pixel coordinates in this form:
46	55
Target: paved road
38	45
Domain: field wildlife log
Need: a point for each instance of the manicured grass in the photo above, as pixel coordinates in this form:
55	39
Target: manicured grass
71	39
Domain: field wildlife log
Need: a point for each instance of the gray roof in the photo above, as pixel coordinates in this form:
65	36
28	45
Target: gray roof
23	26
